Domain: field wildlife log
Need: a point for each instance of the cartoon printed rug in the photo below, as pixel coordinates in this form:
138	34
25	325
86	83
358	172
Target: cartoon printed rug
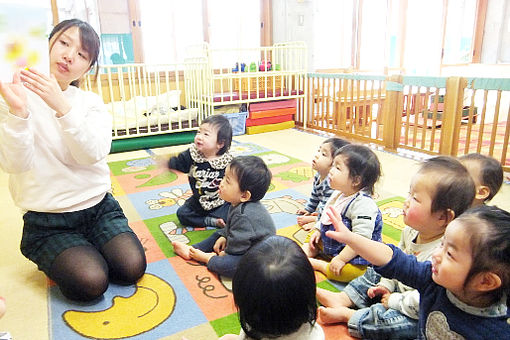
179	298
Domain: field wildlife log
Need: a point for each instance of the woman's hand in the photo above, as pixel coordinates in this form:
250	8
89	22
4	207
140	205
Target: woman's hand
15	96
48	89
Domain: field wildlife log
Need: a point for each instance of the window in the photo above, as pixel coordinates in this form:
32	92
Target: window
168	27
332	34
460	27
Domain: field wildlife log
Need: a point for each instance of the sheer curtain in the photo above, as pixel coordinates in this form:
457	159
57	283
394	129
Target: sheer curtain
168	27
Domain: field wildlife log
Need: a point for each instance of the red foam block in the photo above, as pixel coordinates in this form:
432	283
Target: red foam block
268	120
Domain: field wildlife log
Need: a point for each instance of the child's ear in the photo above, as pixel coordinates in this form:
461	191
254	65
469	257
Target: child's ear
482	192
220	145
245	196
486	281
356	181
447	216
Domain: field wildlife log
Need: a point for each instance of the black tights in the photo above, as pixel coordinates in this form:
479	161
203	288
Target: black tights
82	273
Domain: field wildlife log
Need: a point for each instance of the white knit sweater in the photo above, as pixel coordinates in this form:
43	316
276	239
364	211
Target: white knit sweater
57	164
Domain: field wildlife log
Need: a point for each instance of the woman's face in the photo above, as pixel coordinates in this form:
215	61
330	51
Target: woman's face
68	59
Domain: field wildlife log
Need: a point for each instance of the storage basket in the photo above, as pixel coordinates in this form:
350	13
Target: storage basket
238	122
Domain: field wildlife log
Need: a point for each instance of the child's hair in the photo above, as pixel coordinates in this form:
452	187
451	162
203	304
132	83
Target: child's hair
455	188
88	38
489	231
252	175
274	289
335	144
363	163
224	131
491	172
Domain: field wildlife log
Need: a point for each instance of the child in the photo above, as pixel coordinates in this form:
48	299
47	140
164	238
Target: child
321	191
441	190
487	174
463	289
205	162
354	173
55	139
245	183
274	290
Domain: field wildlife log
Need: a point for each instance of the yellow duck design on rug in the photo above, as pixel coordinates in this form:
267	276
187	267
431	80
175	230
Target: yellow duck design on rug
151	304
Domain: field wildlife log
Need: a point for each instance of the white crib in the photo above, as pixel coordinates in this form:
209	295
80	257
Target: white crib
216	76
145	99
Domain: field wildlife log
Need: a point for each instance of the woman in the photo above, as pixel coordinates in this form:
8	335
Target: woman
54	139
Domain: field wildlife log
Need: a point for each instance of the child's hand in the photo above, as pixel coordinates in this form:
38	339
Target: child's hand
308	226
342	233
336	265
385	299
15	96
372	292
302	212
305	219
220	245
314	239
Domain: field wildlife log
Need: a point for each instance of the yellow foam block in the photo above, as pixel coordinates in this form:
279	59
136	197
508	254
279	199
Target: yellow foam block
251	130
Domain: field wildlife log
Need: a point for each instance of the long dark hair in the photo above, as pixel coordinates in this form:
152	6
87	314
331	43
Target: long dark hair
88	38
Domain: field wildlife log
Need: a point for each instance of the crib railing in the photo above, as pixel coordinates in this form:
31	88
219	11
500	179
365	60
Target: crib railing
145	99
449	116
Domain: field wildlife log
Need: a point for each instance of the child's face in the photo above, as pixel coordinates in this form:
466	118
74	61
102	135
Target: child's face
323	160
452	261
68	60
339	177
229	188
418	207
206	140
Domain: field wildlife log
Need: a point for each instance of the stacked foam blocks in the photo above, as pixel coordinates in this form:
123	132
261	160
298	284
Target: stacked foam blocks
271	116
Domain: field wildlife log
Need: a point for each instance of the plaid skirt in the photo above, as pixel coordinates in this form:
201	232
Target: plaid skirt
46	235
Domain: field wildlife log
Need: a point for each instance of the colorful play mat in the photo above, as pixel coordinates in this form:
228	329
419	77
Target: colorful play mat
177	298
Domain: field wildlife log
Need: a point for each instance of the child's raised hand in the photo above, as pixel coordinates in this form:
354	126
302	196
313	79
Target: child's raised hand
15	96
341	232
47	88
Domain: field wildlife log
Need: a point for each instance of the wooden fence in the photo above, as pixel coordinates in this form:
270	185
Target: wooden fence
446	115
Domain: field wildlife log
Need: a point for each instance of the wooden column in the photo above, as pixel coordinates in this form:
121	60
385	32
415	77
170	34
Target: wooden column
392	115
452	114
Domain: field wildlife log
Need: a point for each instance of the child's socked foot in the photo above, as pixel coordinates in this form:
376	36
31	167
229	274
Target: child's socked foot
327	315
182	249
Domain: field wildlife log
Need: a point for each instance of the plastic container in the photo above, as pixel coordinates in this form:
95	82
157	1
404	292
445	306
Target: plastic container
238	122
